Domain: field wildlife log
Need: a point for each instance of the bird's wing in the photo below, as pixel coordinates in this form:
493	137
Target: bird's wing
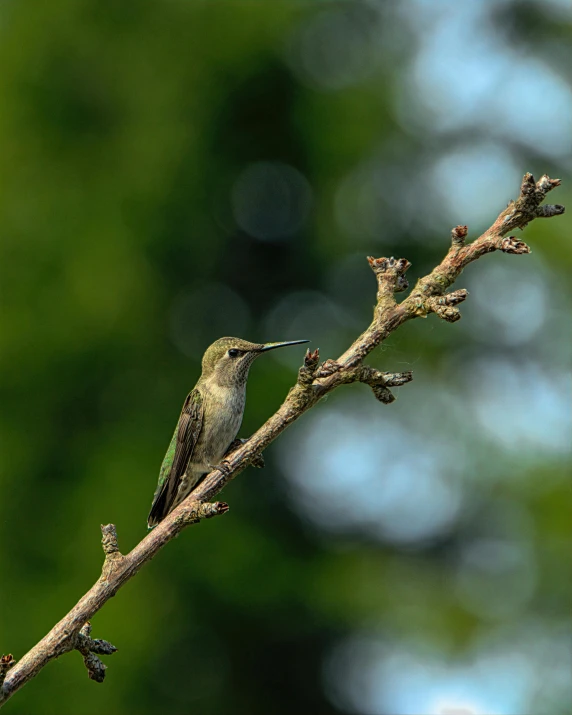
177	458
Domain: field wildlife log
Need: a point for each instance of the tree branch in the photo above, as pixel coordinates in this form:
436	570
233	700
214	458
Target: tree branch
314	381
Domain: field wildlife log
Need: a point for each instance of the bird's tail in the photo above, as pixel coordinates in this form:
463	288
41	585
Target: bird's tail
162	505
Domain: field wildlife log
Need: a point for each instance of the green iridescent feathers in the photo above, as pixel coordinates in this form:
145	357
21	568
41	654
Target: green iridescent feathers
167	462
177	458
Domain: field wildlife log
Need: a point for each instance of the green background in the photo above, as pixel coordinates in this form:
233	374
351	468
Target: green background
174	172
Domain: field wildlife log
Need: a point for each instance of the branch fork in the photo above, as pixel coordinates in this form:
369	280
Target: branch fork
90	648
390	274
380	382
519	213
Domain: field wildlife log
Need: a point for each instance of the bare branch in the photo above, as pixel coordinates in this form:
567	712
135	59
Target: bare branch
429	295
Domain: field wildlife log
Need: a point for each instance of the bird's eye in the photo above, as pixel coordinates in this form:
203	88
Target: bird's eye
233	352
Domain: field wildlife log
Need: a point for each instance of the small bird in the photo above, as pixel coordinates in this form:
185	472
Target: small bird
209	421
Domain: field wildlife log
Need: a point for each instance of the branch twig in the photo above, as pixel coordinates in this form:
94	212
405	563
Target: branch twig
314	381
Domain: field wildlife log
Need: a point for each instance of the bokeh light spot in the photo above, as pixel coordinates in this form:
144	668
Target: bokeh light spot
271	200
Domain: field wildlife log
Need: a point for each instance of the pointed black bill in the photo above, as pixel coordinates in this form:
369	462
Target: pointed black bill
271	346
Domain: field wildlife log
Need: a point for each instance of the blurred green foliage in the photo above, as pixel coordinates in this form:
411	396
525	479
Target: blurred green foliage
123	128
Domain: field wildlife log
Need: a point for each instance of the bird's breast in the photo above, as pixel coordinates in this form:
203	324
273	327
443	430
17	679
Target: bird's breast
223	410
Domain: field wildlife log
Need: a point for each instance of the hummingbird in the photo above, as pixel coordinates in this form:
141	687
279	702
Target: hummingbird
209	421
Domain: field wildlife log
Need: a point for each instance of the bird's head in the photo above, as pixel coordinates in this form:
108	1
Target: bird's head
228	360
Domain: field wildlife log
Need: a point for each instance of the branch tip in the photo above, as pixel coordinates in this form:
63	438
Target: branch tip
311	358
102	647
511	244
109	539
527	207
550	210
380	382
95	667
193	511
396	379
458	235
546	184
528	185
307	372
444	305
113	557
390	274
451	315
453	298
383	265
383	394
209	509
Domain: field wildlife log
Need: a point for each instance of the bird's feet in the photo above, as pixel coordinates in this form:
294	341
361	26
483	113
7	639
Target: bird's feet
223	467
257	461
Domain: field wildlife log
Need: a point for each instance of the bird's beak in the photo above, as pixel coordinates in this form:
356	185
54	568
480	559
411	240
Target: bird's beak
271	346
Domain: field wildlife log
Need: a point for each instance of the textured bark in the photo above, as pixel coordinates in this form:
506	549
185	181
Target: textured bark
315	380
